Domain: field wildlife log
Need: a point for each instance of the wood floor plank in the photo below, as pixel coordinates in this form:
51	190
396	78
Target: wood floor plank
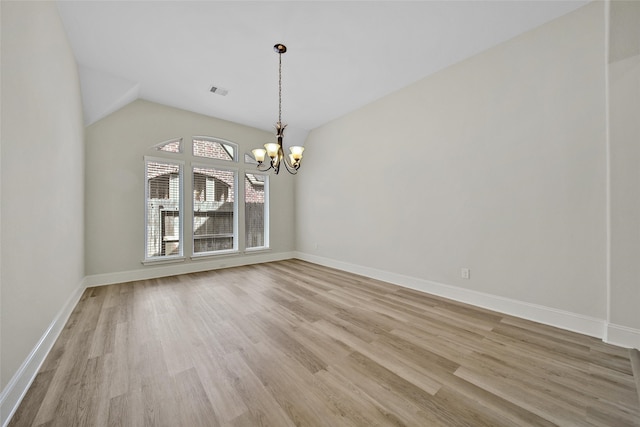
505	412
289	385
66	375
390	405
28	410
634	355
195	408
125	410
533	400
219	380
262	407
292	343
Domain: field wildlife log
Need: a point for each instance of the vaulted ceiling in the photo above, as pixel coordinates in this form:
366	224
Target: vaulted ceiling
341	55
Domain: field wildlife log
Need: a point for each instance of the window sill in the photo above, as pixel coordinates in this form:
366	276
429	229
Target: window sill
207	255
218	254
168	260
257	250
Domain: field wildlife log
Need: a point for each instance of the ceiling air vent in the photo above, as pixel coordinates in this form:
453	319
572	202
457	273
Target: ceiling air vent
219	90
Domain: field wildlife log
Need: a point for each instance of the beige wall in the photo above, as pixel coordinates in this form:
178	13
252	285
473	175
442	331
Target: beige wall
42	178
497	164
624	115
114	209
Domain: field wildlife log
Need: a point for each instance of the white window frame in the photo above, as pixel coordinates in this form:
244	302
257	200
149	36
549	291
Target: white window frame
164	258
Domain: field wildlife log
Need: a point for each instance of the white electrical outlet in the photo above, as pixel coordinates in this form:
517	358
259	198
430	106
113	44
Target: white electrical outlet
465	273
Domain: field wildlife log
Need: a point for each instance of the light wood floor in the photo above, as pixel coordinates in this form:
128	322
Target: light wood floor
292	343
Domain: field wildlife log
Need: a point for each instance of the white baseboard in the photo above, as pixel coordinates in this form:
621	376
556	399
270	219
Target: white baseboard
549	316
172	269
622	336
17	387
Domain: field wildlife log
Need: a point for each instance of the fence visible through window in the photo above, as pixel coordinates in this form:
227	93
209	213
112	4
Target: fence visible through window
213	210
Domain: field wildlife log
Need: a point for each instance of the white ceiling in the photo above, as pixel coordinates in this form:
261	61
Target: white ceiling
341	55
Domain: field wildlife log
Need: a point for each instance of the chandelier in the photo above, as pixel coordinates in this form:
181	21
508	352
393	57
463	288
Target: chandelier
274	150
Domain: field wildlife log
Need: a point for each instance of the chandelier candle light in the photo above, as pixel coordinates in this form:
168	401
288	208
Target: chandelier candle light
272	149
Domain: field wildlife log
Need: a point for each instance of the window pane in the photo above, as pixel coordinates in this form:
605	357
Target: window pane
174	146
163	219
255	210
213	210
248	158
213	149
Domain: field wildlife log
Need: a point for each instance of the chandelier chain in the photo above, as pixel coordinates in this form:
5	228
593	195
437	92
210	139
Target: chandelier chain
279	87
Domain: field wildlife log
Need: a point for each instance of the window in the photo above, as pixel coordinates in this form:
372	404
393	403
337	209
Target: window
214	149
218	200
256	210
163	210
171	146
214	210
248	158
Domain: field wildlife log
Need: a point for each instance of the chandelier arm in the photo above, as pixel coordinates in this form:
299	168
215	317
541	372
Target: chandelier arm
277	161
264	166
292	169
